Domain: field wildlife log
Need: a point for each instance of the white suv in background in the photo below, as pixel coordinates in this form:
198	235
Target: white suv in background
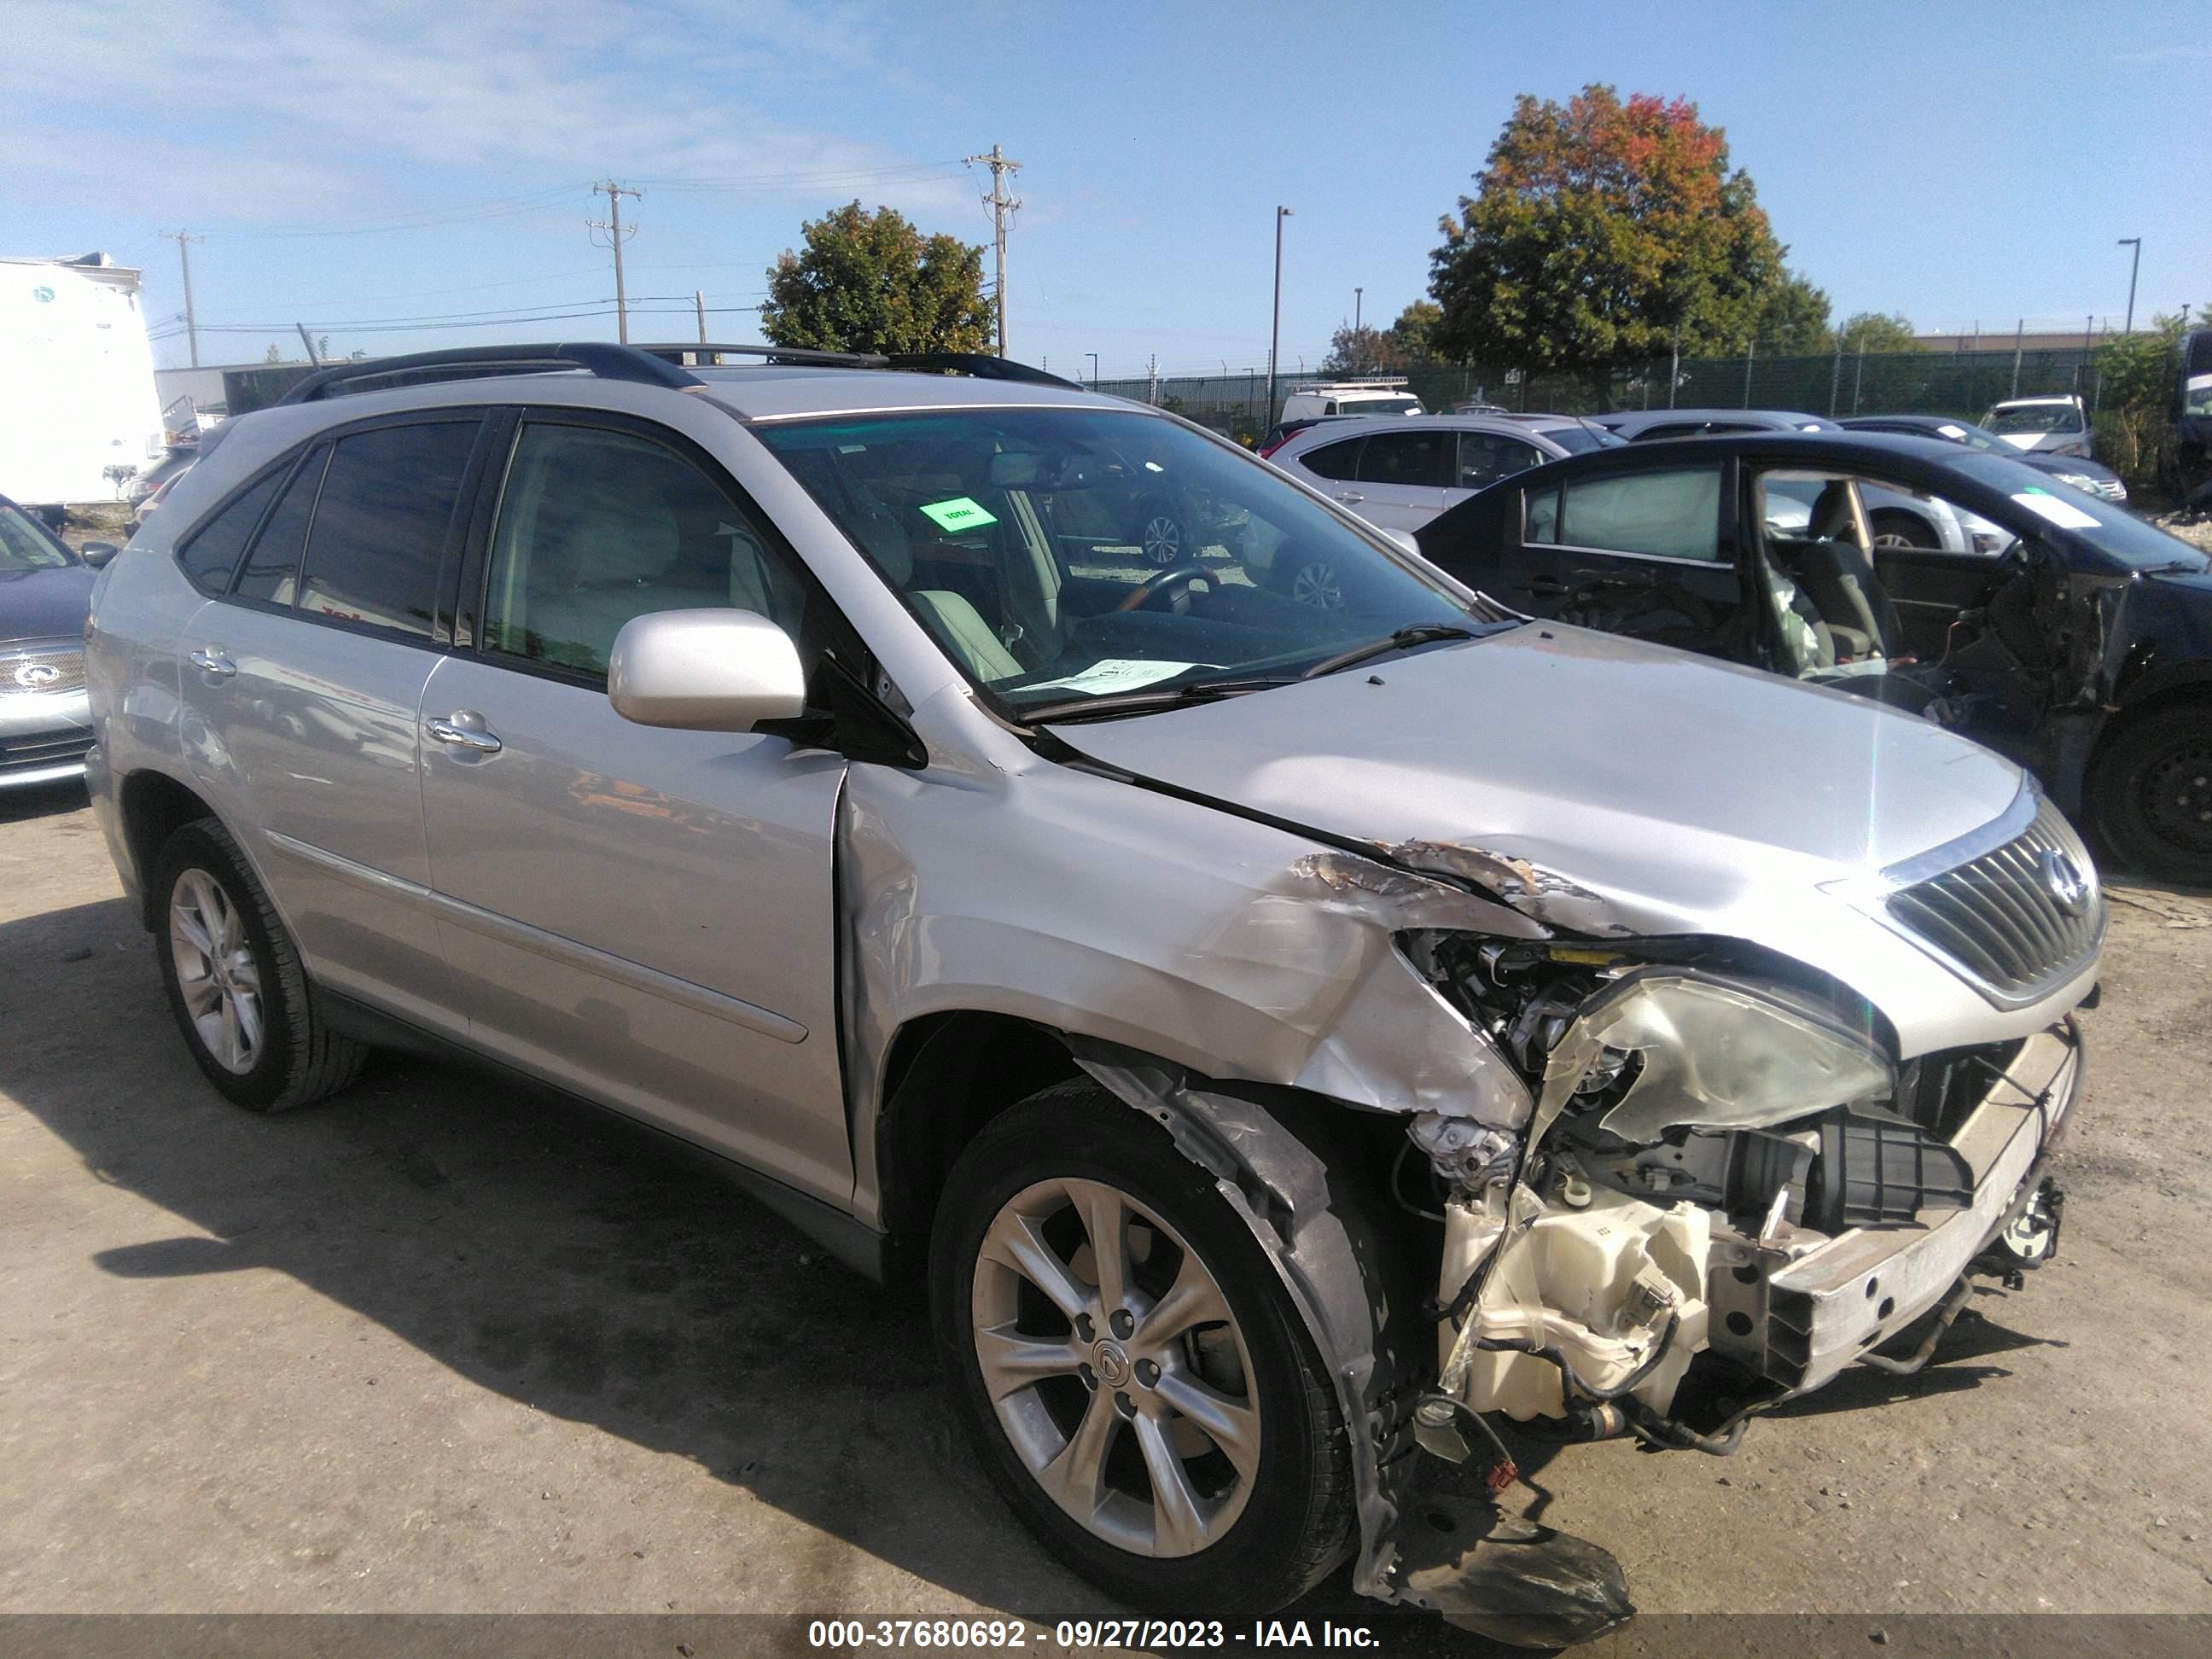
1384	395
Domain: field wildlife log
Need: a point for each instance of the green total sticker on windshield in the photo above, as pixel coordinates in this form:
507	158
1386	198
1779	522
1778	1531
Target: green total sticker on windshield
959	514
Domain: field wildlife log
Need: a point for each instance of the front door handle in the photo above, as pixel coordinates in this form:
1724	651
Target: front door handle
463	729
1546	587
214	661
1350	496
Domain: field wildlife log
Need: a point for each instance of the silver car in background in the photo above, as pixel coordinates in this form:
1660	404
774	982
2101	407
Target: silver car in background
1285	1037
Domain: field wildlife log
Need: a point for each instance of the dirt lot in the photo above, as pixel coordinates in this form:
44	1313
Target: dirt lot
448	1346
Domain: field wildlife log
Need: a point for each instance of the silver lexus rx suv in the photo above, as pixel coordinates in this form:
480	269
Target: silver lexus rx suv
1289	1039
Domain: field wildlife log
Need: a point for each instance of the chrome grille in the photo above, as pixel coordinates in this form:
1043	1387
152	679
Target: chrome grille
2004	919
55	671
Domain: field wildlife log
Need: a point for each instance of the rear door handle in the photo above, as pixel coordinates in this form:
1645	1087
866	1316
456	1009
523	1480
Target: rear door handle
215	661
1546	587
463	729
1351	496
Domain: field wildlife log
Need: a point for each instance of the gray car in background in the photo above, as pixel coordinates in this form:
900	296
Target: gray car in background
1285	1037
1399	472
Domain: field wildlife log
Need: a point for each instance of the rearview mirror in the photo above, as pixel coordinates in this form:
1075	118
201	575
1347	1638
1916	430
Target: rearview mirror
705	671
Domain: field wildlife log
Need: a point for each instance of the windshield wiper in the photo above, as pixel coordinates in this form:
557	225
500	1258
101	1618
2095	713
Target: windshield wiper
1138	702
1404	639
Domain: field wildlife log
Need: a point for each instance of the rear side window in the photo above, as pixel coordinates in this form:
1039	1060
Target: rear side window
1486	457
1405	458
1333	460
1676	513
382	525
272	568
211	555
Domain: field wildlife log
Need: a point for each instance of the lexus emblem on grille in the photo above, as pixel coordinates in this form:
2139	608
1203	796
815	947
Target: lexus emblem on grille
2069	892
37	676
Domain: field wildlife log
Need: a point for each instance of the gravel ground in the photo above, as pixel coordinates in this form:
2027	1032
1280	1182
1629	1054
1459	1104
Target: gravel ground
447	1344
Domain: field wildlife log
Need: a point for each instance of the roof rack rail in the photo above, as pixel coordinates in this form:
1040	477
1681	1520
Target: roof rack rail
608	362
977	365
648	365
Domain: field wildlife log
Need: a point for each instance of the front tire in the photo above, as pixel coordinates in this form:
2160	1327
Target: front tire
235	980
1153	1409
2151	795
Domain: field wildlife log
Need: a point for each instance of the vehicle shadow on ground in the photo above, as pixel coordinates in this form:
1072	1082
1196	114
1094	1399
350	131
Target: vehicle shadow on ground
41	800
552	1254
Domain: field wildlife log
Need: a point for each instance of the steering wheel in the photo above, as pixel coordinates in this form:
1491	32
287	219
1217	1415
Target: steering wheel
1176	582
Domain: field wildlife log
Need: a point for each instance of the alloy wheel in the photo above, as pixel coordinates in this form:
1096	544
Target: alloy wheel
216	971
1316	584
1163	540
1115	1367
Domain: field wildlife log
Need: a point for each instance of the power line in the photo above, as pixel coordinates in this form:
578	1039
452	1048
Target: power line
1001	204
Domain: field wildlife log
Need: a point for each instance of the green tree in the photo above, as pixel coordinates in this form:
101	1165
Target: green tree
1871	331
2138	386
1415	329
1793	319
1363	351
1599	230
871	282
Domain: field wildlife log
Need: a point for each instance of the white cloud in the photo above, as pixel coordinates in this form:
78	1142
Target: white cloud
275	111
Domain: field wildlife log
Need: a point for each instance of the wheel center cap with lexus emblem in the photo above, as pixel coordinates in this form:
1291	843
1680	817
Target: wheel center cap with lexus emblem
2063	877
1112	1364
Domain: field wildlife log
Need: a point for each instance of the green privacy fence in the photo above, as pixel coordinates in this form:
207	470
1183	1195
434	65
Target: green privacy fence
1960	383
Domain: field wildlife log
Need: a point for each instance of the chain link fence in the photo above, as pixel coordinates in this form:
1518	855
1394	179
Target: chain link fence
1957	383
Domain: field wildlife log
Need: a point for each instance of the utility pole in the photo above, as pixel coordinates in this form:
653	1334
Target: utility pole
2135	269
699	300
1001	204
1357	294
2019	339
616	234
184	239
1094	369
1276	335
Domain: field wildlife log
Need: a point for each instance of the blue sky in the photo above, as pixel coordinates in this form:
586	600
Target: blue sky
358	163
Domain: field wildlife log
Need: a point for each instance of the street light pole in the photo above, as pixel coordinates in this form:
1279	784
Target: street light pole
1356	295
1275	334
1094	369
2135	266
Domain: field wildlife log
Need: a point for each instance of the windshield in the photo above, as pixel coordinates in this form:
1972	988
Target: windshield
2109	529
1581	440
1379	406
1974	437
2035	417
1064	555
24	546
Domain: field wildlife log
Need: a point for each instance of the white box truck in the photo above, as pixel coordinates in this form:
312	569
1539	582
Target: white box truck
77	402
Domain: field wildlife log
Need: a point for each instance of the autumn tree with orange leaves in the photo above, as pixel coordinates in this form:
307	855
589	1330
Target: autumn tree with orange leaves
1598	230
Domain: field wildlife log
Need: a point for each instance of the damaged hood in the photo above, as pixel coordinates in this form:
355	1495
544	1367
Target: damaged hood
1619	786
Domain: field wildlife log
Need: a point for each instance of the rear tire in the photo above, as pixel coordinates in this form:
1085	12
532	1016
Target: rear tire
1895	529
2150	796
241	997
1241	1522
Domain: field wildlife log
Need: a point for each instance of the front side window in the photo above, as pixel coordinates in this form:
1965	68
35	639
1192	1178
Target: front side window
381	524
1675	513
598	527
1412	458
966	515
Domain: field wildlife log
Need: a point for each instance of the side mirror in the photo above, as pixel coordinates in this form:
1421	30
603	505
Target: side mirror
97	553
705	671
1403	538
